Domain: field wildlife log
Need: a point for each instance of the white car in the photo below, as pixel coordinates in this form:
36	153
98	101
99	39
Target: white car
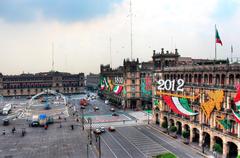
106	101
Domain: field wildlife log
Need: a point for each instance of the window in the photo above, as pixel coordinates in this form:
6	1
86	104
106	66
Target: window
133	94
133	88
133	81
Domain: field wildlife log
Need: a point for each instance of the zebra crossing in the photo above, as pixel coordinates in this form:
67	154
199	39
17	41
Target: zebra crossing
115	124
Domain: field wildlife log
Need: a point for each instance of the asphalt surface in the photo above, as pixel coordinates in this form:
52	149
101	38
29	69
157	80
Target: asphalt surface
130	140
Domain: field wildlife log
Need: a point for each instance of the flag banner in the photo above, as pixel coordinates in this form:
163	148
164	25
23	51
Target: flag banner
218	40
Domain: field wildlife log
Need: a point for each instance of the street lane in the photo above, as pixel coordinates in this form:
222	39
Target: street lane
177	148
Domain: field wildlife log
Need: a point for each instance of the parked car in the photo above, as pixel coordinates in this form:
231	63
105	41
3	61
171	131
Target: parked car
96	108
106	101
97	131
112	109
111	129
102	129
82	107
115	114
5	122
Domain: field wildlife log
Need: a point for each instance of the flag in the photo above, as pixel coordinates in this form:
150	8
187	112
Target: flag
218	40
225	123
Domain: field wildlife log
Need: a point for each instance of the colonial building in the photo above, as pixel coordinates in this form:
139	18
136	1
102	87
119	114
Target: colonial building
31	84
110	78
197	96
92	82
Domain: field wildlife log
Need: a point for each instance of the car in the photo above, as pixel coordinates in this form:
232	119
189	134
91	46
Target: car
102	129
5	122
112	109
97	131
96	108
82	107
115	114
106	101
111	129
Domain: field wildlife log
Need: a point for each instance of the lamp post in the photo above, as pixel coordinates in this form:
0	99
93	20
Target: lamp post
148	113
90	130
82	119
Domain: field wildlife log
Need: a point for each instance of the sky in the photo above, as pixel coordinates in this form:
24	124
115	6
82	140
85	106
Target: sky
79	32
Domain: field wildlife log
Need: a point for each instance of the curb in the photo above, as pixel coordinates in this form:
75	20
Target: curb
200	153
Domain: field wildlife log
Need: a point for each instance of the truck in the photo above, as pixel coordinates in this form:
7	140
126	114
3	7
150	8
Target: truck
6	109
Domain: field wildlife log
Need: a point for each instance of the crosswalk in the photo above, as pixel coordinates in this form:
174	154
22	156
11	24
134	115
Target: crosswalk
142	142
115	124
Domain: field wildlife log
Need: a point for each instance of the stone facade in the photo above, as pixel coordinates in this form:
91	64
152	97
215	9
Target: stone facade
31	84
201	77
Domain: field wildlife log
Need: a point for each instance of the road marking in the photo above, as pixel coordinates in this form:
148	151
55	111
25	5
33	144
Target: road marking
120	145
132	143
109	147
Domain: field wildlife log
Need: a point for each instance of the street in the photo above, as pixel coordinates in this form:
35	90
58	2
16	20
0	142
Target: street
133	137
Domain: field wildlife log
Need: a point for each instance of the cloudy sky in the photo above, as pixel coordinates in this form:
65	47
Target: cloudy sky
81	29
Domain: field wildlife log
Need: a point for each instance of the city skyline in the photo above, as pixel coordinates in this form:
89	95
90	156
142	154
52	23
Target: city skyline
80	31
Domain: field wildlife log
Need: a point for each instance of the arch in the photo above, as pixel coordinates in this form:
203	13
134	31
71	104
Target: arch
218	140
233	153
196	134
199	78
231	79
217	82
157	119
195	78
190	78
238	78
186	127
171	122
223	79
186	77
206	78
206	140
210	78
47	92
179	127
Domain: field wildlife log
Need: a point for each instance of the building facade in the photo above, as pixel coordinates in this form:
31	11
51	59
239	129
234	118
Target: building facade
208	89
92	82
31	84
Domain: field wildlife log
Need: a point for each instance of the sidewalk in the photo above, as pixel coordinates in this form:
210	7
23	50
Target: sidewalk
207	153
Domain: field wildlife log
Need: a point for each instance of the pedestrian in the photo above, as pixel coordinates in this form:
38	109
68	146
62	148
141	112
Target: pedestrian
23	132
4	132
72	127
123	121
60	126
46	127
13	130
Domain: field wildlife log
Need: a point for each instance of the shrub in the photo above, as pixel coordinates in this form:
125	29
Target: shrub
164	125
217	147
165	155
173	129
185	134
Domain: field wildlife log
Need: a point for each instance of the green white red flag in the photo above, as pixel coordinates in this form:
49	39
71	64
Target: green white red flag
218	39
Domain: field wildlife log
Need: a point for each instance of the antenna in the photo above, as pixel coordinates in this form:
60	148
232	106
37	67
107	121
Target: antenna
131	28
52	56
110	49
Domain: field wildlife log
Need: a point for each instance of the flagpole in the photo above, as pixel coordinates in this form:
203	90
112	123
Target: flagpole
215	44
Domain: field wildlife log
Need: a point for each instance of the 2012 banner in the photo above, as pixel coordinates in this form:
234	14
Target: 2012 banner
171	85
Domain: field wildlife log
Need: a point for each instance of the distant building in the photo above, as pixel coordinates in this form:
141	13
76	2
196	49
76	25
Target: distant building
31	84
92	82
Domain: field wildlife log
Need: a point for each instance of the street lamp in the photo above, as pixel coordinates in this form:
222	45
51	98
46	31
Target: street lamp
148	113
82	119
99	144
90	131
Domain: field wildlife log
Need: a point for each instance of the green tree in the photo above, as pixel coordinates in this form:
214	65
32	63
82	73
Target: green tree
164	124
173	129
217	147
185	134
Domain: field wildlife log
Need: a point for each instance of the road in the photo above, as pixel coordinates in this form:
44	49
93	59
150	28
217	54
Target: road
131	139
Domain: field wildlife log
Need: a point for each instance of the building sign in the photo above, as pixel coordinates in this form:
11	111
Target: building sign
170	85
146	86
118	80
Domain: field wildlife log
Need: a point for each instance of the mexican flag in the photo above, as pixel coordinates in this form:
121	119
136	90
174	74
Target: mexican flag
118	89
225	123
218	40
236	116
237	100
102	85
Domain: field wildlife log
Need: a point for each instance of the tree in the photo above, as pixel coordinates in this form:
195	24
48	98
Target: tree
173	129
164	125
185	134
217	147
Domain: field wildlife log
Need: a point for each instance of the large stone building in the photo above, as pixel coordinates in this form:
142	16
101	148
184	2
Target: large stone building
31	84
209	89
92	82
